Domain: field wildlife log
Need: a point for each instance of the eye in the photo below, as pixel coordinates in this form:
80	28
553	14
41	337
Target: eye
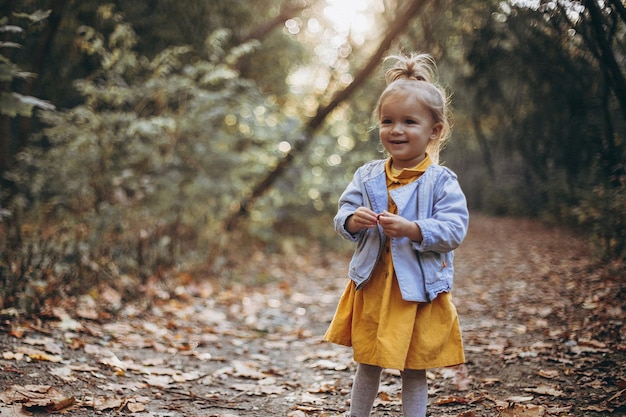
410	122
385	121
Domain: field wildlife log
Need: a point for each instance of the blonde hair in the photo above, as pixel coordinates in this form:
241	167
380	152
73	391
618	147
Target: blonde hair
418	72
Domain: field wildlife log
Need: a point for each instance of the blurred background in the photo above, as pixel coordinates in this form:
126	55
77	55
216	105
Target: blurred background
143	139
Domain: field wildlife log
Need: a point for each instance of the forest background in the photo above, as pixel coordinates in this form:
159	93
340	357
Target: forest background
141	140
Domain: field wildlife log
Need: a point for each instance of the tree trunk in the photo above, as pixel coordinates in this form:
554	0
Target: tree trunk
287	11
607	57
401	22
38	60
620	9
5	121
484	146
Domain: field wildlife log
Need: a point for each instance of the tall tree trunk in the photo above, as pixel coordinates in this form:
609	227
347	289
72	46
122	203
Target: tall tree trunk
403	18
6	141
484	146
607	57
619	8
38	60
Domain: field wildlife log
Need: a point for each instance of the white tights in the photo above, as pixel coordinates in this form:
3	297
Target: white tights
365	390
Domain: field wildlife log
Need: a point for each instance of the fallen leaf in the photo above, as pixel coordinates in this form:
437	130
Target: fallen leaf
43	396
13	411
519	399
523	410
64	372
39	355
558	410
132	386
247	370
326	364
104	403
248	388
549	374
543	389
160	381
451	400
135	407
490	381
311	399
17	332
18	356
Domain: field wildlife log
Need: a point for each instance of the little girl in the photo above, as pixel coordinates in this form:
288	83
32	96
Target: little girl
407	214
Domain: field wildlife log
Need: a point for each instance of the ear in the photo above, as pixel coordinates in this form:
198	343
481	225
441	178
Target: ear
437	130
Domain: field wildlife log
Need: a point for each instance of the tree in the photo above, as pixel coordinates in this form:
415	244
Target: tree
549	119
405	15
13	103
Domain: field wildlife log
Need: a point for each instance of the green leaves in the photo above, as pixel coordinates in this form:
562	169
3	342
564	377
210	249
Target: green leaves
13	104
140	176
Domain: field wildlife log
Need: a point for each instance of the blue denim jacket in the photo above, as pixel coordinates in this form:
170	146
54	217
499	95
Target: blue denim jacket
435	201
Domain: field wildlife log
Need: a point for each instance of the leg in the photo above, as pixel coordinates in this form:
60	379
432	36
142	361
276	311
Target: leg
414	393
364	390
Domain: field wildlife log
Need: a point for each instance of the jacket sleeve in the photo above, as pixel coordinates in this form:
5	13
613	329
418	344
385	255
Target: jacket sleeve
351	199
446	228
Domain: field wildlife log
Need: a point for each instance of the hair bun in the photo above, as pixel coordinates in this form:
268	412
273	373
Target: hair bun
415	67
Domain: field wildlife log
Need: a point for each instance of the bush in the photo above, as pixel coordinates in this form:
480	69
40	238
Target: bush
602	214
138	178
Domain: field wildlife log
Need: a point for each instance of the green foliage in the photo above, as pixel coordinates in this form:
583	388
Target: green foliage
13	104
140	176
549	131
602	216
160	143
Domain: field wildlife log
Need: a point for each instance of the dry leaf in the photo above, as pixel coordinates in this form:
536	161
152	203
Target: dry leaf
545	390
43	396
135	407
18	356
105	403
39	355
247	370
311	399
64	372
549	374
160	381
451	400
519	399
523	410
326	364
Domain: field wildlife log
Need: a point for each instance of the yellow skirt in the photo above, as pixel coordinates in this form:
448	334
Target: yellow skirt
387	331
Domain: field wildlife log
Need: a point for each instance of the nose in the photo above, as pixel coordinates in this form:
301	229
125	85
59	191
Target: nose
396	129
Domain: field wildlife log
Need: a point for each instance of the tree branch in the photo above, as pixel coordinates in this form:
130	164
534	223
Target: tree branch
401	22
607	61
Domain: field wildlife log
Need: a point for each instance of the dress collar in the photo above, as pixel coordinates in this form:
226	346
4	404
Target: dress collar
405	173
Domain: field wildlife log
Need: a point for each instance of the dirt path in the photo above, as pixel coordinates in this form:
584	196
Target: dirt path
543	334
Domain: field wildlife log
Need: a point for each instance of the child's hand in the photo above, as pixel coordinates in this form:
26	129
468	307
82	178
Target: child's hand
361	219
397	226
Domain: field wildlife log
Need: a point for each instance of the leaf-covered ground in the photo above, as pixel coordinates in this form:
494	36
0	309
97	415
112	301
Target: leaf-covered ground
543	330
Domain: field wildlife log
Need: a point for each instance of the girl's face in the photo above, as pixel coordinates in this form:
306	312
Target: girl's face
406	126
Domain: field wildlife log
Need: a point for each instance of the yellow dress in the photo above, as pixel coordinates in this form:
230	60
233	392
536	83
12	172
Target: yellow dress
387	331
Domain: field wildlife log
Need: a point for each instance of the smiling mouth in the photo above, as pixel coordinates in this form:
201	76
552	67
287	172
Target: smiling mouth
397	142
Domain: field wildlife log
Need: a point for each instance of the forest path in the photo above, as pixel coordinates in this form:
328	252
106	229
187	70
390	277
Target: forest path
543	332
